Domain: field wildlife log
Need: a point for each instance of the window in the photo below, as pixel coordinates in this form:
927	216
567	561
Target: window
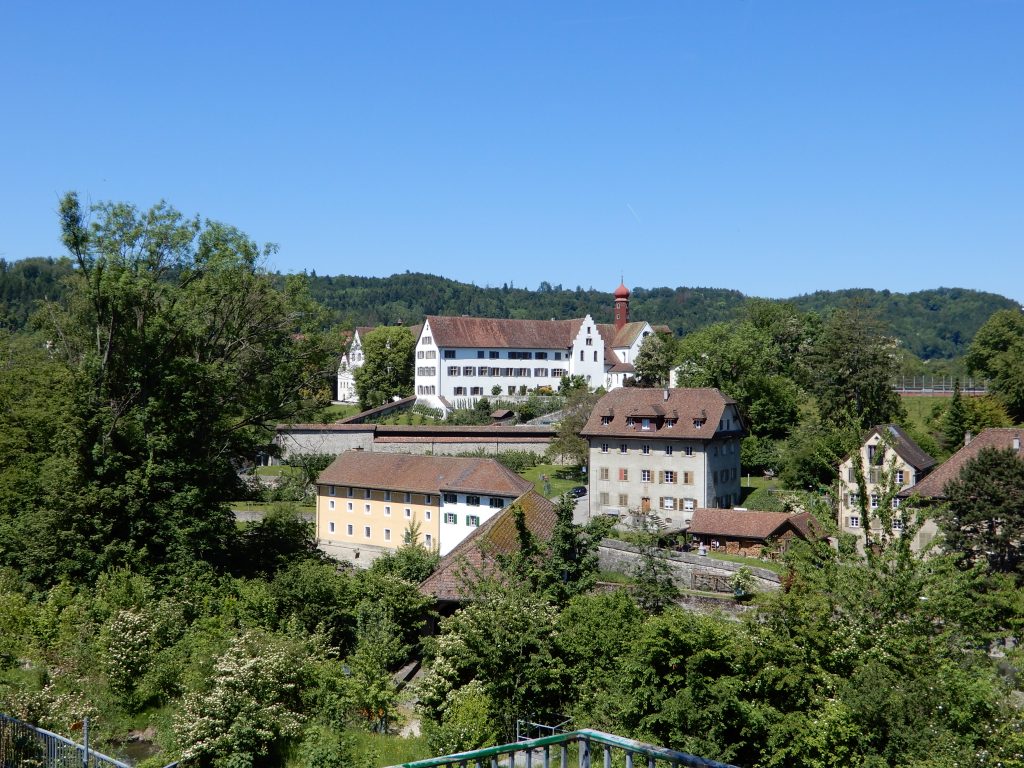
348	492
408	498
669	477
897	524
558	355
595	355
387	495
330	527
429	541
852	499
350	506
646	450
366	509
603	499
451	498
853	521
476	390
581	355
540	372
408	512
431	354
419	355
645	475
590	341
669	423
645	424
688	450
449	354
427	499
497	503
330	504
367	494
349	529
698	423
604	447
451	518
427	340
468	370
472	501
874	501
426	513
668	502
623	474
366	531
623	500
851	475
623	448
606	420
473	521
330	490
899	477
895	503
668	450
387	534
492	355
687	478
460	391
453	370
480	354
602	473
387	511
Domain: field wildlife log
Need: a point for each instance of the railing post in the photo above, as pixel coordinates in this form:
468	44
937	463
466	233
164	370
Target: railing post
607	756
584	753
629	759
85	743
564	756
547	756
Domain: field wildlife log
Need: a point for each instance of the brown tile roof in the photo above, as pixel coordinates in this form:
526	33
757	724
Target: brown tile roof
476	553
423	474
903	444
933	486
496	333
747	524
620	337
684	405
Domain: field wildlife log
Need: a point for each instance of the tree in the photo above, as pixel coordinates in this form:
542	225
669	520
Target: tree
954	422
997	353
178	354
567	443
655	359
655	590
985	515
851	367
388	370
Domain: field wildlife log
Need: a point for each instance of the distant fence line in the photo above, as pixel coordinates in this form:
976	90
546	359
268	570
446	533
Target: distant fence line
938	385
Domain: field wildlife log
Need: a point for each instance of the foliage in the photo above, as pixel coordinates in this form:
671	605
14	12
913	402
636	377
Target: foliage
997	353
567	445
175	353
388	370
985	515
26	283
654	360
655	590
411	562
759	454
851	367
810	457
467	722
954	421
269	545
250	709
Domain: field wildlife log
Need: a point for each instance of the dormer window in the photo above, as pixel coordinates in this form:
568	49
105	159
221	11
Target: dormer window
606	420
698	423
669	423
645	424
629	421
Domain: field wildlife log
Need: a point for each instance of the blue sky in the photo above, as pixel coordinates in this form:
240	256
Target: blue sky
776	147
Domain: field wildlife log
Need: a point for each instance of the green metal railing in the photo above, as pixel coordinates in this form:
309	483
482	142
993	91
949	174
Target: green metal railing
537	753
23	745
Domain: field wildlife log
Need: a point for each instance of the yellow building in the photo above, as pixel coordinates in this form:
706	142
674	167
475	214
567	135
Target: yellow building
366	502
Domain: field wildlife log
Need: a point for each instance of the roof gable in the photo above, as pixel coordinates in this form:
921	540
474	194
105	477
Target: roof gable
696	412
934	485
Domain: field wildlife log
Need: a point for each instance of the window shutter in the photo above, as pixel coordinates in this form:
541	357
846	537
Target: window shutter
661	476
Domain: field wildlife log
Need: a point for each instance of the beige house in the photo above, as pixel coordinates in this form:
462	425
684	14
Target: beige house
892	464
667	451
365	501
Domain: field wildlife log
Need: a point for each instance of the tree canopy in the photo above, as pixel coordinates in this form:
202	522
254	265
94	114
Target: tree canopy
387	371
997	353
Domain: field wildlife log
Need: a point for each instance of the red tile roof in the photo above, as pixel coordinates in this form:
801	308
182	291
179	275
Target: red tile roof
423	474
476	554
933	486
620	337
497	333
749	524
903	444
684	405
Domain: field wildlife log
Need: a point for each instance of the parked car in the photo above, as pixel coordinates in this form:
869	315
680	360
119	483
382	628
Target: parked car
579	490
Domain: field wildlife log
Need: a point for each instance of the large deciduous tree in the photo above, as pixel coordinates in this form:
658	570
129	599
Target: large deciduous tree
176	353
985	515
388	371
997	353
851	367
654	360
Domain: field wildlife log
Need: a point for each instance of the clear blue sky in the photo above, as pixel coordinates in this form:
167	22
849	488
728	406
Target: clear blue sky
772	147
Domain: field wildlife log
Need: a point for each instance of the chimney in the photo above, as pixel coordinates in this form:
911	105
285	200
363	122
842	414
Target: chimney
967	438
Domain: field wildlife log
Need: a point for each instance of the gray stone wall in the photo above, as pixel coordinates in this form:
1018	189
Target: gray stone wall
689	571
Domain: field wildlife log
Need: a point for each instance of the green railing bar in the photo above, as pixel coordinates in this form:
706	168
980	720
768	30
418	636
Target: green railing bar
630	745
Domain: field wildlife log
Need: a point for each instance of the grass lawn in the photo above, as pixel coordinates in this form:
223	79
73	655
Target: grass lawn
559	485
333	413
380	749
278	470
266	506
753	562
919	408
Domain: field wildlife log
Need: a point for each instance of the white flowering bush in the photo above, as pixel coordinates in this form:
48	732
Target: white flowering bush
250	712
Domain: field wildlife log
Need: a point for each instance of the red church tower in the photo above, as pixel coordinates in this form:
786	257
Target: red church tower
621	305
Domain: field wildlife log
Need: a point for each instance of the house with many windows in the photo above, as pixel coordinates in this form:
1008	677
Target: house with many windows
461	359
667	451
892	465
365	501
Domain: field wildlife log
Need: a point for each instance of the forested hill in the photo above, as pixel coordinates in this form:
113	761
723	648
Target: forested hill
936	323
